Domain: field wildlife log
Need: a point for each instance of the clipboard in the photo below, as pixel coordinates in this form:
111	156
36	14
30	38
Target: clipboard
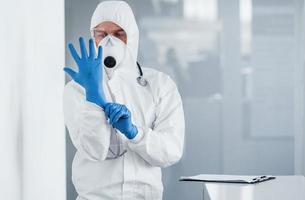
220	178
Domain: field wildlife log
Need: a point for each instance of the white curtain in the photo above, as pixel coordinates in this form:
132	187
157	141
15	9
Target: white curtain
32	134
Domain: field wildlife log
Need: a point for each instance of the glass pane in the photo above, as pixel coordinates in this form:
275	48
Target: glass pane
268	67
182	39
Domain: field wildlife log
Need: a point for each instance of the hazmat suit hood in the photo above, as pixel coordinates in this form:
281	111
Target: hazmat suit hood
120	13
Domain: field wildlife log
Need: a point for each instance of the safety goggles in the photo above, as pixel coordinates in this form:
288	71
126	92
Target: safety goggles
99	34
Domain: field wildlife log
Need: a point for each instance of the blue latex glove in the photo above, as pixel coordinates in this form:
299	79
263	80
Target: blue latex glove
120	118
90	70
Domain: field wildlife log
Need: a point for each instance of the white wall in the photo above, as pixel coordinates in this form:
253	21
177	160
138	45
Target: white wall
32	142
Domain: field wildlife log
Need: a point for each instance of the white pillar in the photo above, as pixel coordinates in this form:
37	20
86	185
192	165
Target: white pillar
32	134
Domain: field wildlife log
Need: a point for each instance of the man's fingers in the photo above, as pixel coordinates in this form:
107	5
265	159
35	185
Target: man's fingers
109	108
91	49
83	49
74	53
112	115
70	72
106	109
100	53
117	116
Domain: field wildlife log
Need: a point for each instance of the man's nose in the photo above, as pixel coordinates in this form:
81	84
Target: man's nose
110	40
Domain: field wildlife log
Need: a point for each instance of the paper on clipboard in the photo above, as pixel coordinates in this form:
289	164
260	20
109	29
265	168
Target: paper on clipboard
220	178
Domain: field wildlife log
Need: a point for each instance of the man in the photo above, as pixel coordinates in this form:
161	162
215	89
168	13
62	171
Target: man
124	124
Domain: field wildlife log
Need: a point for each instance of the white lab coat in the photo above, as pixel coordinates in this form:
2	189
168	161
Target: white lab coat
157	112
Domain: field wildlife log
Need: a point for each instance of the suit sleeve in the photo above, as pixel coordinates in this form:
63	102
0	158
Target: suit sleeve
86	122
162	145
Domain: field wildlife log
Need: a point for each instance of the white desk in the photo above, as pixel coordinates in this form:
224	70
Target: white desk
281	188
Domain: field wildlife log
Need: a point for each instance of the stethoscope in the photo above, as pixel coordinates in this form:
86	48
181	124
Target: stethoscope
141	80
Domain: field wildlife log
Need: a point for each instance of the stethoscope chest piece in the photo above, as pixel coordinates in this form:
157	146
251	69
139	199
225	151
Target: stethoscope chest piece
142	81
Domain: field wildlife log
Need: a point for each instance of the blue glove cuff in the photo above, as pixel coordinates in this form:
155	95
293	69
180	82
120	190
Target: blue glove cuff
95	98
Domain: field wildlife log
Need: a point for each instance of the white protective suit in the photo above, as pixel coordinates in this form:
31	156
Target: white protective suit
156	110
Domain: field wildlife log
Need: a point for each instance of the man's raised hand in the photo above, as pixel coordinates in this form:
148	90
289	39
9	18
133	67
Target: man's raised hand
89	74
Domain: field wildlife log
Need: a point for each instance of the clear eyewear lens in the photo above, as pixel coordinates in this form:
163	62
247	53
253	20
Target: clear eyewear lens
99	34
